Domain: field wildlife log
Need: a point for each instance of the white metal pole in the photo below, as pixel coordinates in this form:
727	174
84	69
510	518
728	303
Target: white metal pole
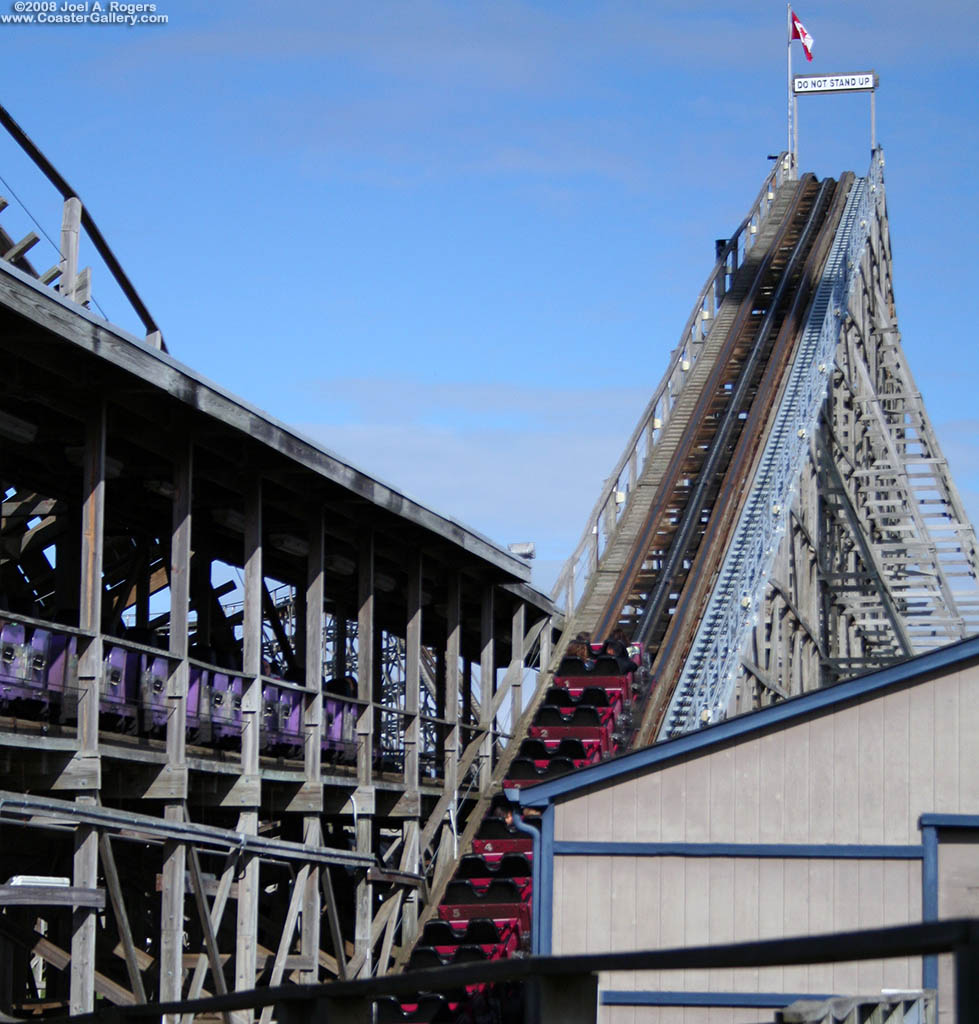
873	120
788	74
795	130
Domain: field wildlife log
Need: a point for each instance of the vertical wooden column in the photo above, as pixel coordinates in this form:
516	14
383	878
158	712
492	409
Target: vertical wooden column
487	677
545	646
340	643
453	645
517	631
412	727
71	220
313	739
365	745
251	721
175	854
85	861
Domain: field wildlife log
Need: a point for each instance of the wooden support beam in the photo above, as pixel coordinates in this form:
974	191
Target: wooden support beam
18	251
333	920
366	623
210	942
214	917
251	714
487	685
86	859
175	854
313	737
515	671
51	896
59	958
285	940
71	220
412	728
121	915
453	650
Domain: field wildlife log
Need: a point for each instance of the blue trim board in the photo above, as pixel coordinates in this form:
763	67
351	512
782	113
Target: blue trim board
929	898
753	722
782	851
948	821
546	900
776	1000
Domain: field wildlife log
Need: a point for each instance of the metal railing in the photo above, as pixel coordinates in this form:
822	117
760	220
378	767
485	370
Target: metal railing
553	979
621	483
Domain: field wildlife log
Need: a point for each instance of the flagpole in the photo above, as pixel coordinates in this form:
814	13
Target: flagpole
788	82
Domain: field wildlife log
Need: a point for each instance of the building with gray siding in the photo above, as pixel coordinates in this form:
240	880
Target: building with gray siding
847	808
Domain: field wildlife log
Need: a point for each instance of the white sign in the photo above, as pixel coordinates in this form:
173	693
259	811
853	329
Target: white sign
854	81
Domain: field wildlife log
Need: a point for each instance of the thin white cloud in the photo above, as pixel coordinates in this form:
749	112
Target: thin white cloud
516	463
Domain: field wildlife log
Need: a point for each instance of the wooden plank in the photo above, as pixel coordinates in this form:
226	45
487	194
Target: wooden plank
121	916
285	939
59	958
85	860
333	920
365	743
51	896
210	941
18	251
487	684
215	915
251	713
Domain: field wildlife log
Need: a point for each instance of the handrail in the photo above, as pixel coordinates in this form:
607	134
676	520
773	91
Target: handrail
616	492
958	936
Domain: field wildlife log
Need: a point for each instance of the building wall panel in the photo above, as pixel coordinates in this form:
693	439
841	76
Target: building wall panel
861	774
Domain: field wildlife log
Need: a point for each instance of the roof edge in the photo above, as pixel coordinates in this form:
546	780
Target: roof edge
796	708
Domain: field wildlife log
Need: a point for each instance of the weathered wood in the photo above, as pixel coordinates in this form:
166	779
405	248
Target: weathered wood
204	916
251	714
333	920
487	685
18	251
365	743
285	940
51	896
215	916
71	220
59	958
175	854
121	915
313	737
85	861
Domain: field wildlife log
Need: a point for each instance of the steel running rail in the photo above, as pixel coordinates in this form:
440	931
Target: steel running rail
709	672
620	485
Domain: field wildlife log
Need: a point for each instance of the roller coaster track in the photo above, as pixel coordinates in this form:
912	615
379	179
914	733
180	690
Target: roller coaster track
684	548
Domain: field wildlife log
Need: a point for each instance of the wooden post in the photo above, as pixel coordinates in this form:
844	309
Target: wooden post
246	948
365	745
71	219
545	646
517	631
412	727
487	678
453	644
313	739
86	855
175	854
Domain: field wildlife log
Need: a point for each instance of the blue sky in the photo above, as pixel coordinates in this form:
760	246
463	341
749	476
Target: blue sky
456	241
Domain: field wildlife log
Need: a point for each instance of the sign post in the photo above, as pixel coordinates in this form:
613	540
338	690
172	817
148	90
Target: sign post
851	81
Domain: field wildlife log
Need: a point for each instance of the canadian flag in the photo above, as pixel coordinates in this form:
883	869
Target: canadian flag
799	32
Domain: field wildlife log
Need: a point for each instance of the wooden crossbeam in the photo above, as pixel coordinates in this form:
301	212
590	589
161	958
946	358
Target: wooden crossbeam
60	959
18	251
